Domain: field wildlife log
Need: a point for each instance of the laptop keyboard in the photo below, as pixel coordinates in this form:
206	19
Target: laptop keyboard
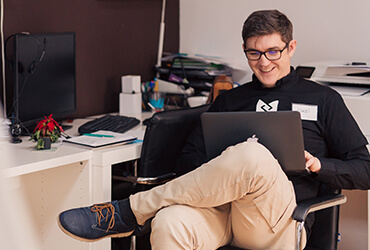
114	123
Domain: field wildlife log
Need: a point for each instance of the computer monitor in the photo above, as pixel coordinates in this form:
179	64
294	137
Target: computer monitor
44	77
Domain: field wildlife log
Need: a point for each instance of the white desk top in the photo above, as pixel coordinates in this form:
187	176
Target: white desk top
19	159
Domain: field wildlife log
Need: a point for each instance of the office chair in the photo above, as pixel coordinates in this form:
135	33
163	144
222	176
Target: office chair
164	139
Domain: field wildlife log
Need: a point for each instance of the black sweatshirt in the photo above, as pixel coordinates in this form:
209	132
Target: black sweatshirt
330	132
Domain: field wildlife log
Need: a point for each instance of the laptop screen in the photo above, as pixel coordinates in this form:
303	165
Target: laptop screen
280	132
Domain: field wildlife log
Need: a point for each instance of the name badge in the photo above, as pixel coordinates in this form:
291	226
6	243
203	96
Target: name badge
308	112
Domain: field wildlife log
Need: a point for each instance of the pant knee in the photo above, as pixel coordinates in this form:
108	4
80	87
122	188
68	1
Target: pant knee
247	158
252	153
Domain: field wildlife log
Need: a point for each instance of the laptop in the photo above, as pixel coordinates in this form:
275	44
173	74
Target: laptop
280	132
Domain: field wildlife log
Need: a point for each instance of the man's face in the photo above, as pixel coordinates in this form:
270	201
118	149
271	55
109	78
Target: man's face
269	72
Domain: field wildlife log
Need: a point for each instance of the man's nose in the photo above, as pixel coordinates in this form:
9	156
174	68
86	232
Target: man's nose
263	60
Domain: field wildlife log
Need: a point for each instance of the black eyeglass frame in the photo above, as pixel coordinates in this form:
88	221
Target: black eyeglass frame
264	53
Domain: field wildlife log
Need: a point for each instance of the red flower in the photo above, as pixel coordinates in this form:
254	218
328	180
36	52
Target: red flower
48	125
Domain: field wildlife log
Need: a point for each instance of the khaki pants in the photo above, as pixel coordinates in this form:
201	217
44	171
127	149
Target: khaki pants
241	197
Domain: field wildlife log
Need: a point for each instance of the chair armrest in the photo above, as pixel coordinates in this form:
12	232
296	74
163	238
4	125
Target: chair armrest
305	207
146	180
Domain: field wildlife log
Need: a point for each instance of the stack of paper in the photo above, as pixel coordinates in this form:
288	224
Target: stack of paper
101	138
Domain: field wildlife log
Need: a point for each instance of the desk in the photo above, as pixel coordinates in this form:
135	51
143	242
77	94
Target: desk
48	182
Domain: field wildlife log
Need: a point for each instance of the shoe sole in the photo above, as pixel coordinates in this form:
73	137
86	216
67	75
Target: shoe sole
120	235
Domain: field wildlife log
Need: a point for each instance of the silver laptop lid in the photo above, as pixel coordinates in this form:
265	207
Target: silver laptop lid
280	132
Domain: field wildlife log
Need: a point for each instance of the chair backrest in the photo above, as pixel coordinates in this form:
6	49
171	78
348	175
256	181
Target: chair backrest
324	233
164	139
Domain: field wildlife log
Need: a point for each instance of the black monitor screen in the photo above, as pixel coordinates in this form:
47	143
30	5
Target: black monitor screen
45	76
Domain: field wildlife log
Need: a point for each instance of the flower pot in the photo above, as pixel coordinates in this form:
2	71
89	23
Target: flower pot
43	143
47	142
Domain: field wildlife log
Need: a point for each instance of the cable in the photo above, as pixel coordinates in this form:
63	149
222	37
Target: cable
28	71
17	126
161	34
3	55
18	95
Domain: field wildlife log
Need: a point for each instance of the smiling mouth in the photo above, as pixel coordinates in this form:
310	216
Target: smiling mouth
266	70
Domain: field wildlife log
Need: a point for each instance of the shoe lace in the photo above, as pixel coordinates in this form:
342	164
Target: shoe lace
98	208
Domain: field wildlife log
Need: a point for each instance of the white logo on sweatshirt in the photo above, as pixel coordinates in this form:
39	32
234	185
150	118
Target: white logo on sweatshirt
267	107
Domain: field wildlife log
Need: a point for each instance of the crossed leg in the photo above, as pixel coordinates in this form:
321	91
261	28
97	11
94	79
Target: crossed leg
242	196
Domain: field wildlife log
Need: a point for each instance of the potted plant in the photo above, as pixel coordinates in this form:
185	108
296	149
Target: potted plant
46	132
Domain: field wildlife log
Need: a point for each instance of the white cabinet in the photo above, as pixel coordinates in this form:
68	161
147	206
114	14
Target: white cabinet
354	222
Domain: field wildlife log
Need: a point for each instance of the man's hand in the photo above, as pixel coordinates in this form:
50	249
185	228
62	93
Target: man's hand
312	163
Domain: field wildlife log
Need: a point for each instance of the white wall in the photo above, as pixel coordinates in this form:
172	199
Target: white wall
325	30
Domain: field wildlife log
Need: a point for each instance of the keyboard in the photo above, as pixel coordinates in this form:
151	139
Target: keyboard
114	123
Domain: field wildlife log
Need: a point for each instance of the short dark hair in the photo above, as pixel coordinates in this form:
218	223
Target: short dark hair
267	22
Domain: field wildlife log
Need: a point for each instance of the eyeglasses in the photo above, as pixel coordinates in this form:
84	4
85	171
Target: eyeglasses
272	55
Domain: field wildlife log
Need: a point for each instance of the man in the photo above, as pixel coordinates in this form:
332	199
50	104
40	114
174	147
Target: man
243	195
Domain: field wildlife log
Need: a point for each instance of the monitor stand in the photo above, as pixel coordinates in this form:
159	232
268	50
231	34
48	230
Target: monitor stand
16	140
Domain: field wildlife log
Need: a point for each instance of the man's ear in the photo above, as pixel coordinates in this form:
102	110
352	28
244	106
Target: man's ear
243	46
292	46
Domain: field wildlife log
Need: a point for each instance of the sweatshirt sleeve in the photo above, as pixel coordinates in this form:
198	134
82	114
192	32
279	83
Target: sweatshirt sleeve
350	171
347	164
